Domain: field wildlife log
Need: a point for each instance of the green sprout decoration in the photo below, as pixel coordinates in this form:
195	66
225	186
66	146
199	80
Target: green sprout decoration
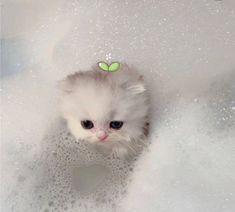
109	68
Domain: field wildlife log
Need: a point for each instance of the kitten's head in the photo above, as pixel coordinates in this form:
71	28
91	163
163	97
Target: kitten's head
105	107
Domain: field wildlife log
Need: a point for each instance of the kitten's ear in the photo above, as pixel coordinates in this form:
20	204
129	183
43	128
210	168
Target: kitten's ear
65	85
137	87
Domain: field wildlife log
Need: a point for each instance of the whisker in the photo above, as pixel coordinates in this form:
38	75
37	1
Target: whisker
140	141
128	146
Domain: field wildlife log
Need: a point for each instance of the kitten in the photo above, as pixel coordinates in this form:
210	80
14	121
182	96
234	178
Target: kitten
109	109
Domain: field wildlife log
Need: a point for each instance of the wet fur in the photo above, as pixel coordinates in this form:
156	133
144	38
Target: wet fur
103	97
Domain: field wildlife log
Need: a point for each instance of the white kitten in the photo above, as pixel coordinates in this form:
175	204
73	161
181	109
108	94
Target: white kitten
107	108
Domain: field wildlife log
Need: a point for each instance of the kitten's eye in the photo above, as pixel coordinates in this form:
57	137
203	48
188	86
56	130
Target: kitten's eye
116	124
87	124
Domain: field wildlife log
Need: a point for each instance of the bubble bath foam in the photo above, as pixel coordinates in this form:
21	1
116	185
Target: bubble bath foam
185	50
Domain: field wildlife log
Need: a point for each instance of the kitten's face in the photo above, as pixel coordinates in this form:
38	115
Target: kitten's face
105	108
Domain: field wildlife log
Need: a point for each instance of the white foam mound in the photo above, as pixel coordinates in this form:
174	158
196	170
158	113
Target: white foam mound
190	166
185	49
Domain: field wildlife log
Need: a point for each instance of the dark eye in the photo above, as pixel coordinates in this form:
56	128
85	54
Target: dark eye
87	124
116	124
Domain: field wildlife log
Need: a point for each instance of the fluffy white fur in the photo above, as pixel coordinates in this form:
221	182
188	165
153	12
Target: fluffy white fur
104	97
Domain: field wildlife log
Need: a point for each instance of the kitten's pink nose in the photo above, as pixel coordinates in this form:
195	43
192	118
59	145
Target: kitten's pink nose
101	135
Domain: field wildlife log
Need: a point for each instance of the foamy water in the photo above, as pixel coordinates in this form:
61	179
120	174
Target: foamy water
185	49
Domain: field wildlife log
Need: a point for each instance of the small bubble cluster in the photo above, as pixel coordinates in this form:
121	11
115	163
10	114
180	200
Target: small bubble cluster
72	175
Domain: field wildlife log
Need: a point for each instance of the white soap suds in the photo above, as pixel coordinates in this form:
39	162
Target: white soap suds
184	48
191	163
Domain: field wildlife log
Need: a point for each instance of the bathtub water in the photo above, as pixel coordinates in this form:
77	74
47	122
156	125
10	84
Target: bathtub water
185	49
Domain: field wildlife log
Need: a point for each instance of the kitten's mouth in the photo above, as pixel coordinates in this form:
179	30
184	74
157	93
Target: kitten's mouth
103	141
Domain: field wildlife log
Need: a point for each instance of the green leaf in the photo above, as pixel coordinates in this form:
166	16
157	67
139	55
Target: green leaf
114	66
104	66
